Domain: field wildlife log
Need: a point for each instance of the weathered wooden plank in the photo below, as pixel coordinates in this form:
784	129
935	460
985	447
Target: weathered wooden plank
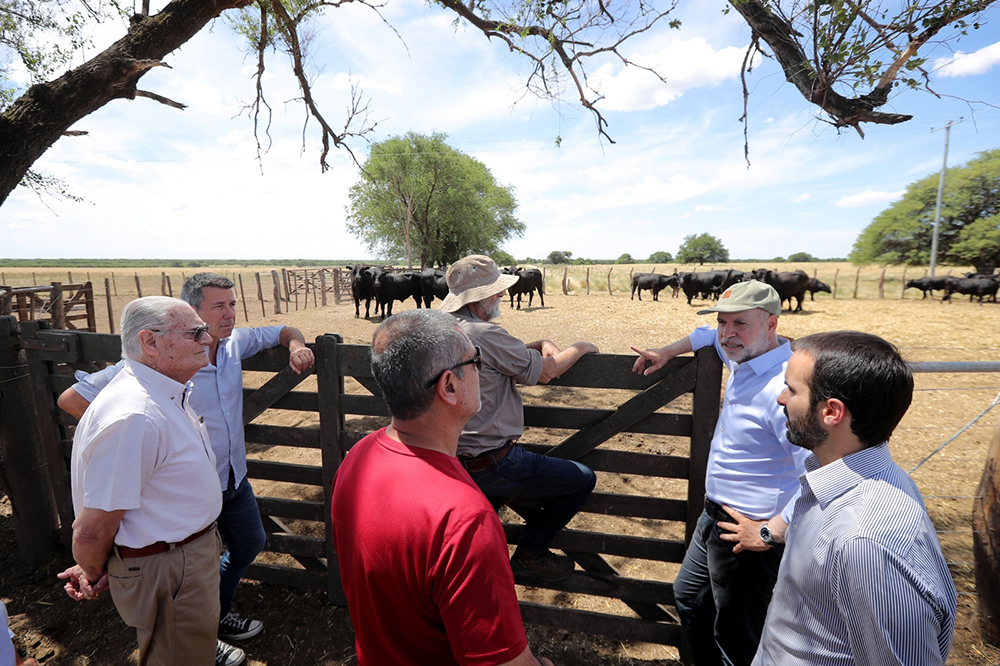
705	411
629	413
599	568
309	475
636	506
286	508
610	585
363	405
355	361
642	548
330	386
101	347
268	360
573	418
282	436
614	371
274	526
55	346
297	545
643	464
299	401
281	383
272	573
587	622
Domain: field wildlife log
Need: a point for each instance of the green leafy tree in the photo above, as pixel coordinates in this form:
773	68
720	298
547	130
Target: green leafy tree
660	258
801	257
970	220
421	199
701	248
557	257
503	258
625	259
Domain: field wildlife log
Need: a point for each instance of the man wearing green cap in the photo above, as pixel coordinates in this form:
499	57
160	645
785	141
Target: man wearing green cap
724	586
488	447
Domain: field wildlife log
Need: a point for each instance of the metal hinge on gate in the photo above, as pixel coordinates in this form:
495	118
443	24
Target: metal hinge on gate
44	345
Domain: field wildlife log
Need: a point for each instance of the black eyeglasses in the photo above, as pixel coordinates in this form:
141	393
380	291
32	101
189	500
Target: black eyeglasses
476	360
194	333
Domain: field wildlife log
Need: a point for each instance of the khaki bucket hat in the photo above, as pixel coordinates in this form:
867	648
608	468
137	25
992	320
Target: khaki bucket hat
472	279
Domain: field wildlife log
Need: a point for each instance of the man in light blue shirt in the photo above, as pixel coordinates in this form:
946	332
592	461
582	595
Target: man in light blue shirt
725	582
864	580
218	398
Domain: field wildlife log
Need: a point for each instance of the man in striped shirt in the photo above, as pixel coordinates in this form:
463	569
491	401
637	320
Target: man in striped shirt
863	580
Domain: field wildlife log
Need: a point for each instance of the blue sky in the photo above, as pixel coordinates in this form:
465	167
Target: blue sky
163	183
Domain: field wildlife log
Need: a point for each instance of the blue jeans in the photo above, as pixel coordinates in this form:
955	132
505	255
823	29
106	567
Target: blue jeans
563	485
722	597
243	533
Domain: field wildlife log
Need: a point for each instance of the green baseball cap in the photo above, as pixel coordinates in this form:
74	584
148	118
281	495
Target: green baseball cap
748	295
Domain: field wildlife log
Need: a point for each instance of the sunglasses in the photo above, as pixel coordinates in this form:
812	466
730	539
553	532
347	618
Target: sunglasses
194	333
476	360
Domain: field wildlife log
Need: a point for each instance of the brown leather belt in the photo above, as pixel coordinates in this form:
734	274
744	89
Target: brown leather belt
160	546
484	460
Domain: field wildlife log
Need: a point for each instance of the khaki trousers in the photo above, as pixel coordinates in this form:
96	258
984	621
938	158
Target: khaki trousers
172	600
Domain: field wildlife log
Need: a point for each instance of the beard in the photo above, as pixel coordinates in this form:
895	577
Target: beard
494	312
806	432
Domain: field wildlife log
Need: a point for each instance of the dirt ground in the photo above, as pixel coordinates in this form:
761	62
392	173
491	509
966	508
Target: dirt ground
301	627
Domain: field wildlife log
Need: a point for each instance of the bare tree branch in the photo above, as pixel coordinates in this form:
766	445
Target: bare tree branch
160	98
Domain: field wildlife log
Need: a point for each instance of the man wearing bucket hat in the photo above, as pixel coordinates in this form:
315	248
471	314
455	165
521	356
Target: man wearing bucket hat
724	586
487	448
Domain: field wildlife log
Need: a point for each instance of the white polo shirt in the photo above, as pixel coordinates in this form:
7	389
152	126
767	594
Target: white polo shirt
140	447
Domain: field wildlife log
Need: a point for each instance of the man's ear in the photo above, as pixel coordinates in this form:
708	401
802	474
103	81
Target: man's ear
447	388
833	412
147	340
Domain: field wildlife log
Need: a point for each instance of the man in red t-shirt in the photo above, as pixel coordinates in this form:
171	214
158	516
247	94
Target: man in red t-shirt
423	558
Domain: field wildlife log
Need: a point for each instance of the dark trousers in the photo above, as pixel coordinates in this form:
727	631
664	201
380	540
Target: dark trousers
722	597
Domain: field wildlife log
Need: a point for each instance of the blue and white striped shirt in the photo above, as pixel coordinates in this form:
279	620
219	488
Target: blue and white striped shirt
863	580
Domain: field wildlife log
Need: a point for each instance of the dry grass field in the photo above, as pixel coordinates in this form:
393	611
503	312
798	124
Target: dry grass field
301	627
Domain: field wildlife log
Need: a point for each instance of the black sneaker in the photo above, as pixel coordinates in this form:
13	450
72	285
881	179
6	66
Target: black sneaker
236	628
227	655
547	566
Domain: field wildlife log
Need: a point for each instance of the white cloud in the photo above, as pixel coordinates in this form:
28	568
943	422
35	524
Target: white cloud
686	64
800	198
700	208
867	198
969	64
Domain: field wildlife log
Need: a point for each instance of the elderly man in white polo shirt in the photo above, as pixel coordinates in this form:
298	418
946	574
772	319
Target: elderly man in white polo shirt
145	491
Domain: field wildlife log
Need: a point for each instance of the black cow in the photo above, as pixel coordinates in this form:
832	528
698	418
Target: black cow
812	287
390	287
929	284
653	282
433	284
788	284
984	286
528	281
704	285
362	285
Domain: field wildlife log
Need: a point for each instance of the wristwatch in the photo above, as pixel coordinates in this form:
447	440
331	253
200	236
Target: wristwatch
765	534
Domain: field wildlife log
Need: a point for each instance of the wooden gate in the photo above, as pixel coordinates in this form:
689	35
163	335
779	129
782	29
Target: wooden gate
62	304
617	540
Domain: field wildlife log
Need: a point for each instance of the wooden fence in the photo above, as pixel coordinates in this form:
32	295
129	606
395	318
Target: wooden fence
321	281
62	304
602	414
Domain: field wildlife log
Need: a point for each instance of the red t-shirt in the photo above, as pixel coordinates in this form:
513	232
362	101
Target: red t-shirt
423	560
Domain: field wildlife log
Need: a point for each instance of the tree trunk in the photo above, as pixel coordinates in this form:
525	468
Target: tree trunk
986	544
38	118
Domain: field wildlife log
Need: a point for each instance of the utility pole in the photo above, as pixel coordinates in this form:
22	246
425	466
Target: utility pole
940	194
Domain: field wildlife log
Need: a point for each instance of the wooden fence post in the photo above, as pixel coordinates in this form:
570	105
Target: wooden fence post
986	545
588	280
857	276
565	281
284	279
246	317
902	291
170	289
837	273
881	284
322	286
260	296
23	472
57	310
277	292
111	311
138	287
163	283
69	277
609	281
114	284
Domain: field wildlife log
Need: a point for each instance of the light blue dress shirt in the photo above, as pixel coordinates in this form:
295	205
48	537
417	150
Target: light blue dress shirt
863	580
752	466
217	395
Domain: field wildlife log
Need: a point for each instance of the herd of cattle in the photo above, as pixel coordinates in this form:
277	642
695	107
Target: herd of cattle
711	284
795	284
385	287
380	284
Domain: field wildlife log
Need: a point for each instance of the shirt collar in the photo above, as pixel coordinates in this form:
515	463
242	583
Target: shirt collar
828	482
157	380
761	365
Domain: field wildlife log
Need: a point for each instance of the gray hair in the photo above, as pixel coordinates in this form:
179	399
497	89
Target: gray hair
408	350
144	314
191	291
